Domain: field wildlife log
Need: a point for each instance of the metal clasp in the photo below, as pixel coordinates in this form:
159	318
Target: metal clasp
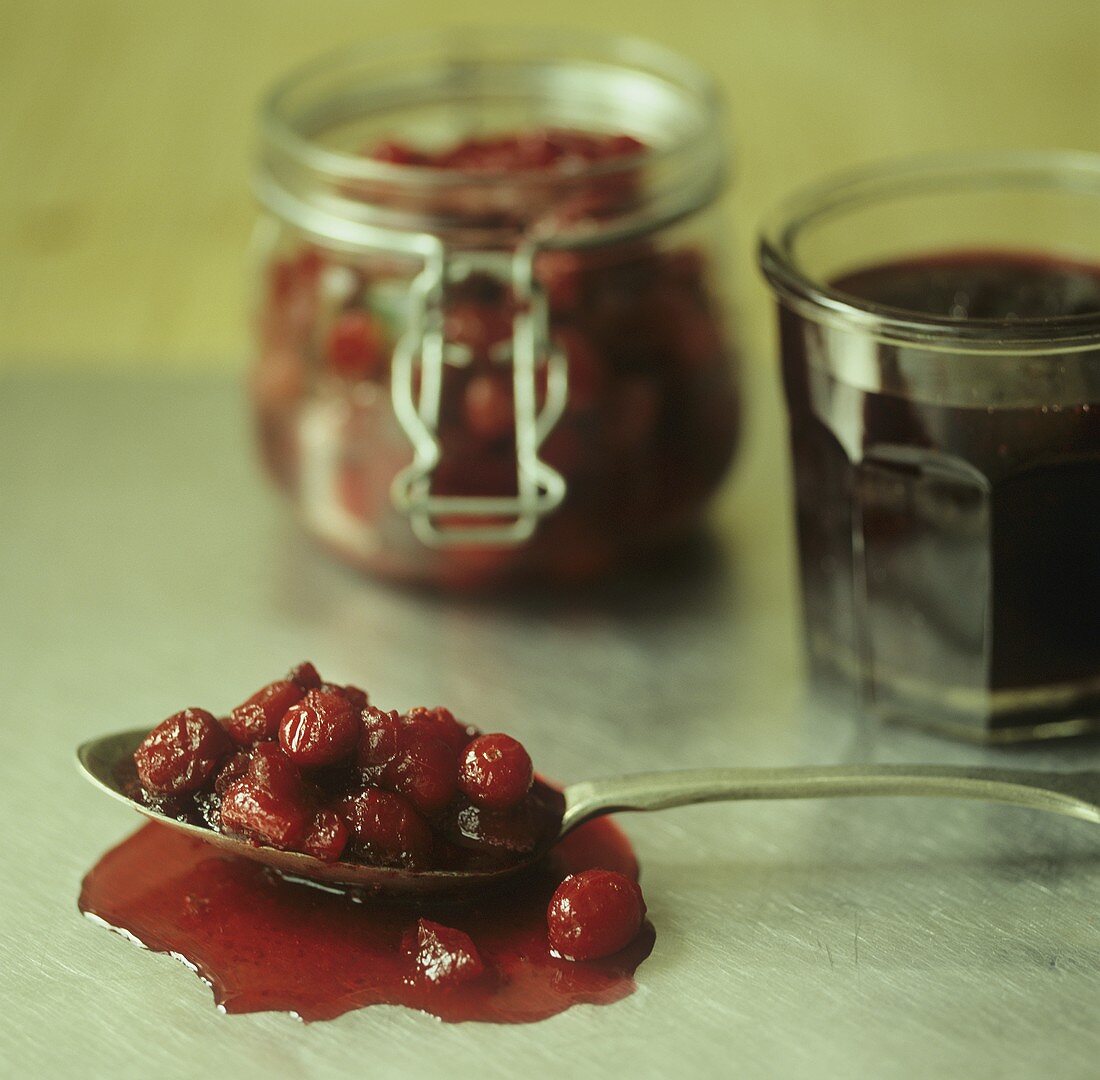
423	349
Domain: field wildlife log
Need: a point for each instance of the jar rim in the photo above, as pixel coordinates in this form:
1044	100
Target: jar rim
278	128
820	300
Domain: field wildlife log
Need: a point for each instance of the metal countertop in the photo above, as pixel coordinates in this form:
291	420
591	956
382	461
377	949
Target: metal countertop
144	566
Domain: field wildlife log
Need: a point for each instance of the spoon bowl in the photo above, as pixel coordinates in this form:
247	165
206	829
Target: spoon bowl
1072	794
102	761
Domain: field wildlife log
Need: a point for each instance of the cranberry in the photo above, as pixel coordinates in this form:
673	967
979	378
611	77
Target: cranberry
441	724
560	274
594	914
477	326
687	266
696	340
386	827
254	810
357	347
444	956
425	770
305	675
378	738
321	729
495	772
633	416
338	774
269	801
395	153
358	698
297	274
271	768
623	146
550	148
490	413
564	450
258	717
292	318
181	753
232	770
327	836
587	374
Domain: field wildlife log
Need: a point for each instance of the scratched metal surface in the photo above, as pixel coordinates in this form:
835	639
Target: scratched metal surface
143	566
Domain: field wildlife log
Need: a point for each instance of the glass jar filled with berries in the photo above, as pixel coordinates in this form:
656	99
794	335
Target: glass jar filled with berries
490	340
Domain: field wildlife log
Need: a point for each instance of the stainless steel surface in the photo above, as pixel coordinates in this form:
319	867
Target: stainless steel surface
144	567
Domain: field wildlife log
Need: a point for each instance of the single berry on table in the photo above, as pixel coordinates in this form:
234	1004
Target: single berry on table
594	914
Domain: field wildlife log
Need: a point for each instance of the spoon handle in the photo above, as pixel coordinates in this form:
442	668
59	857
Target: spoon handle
1073	794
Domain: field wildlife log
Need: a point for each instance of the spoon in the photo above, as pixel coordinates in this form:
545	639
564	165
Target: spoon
1073	794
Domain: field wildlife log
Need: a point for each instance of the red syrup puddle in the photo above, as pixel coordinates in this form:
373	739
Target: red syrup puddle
264	943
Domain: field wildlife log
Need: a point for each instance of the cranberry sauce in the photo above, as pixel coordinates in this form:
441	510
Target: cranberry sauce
313	767
950	552
264	943
650	419
980	285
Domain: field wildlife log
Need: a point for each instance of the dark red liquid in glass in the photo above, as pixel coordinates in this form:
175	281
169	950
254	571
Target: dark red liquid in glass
264	943
950	549
967	285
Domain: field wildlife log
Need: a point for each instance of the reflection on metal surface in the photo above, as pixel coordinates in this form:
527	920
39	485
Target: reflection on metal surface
808	938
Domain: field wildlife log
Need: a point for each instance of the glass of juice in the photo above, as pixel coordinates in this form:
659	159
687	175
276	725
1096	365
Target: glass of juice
939	324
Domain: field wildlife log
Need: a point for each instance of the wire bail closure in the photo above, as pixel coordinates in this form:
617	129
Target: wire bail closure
455	520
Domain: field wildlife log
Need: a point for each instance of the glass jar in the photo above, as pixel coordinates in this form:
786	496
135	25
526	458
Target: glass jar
940	337
470	373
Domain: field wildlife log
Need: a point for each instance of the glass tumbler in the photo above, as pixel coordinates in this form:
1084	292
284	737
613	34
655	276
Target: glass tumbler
490	330
939	327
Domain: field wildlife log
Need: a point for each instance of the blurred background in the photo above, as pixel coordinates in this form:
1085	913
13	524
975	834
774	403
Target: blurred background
127	135
127	132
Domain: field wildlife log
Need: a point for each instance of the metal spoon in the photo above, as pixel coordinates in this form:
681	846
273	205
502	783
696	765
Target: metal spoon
1075	794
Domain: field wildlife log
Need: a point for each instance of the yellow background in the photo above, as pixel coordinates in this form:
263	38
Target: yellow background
125	131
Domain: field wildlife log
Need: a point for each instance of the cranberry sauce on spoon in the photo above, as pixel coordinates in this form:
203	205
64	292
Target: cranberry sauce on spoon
314	768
